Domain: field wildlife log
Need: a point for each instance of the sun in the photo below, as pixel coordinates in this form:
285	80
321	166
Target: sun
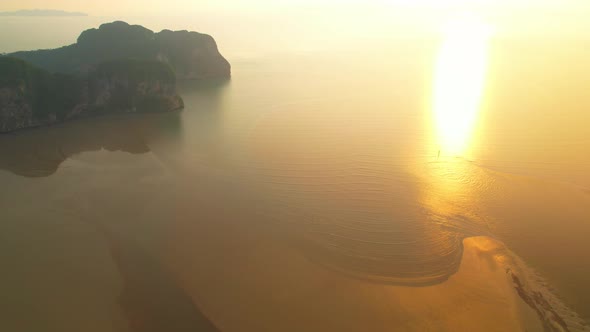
459	82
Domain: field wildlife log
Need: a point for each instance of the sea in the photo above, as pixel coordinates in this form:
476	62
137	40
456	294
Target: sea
361	171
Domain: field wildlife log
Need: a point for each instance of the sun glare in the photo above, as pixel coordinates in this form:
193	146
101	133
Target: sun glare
459	82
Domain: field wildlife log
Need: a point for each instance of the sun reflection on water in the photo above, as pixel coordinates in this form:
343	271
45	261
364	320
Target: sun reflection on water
459	80
452	186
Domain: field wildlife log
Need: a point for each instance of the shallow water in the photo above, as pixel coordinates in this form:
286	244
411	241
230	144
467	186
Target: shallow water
315	192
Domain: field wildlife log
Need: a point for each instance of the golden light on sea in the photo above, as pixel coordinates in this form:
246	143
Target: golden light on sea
459	81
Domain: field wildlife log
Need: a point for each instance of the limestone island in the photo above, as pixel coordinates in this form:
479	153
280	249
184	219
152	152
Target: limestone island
117	68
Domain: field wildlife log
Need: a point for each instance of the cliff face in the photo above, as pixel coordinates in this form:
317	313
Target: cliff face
191	55
30	97
132	86
122	94
15	112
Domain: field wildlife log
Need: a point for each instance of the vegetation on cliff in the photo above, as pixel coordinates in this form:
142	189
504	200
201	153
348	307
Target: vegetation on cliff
31	96
136	85
137	70
47	94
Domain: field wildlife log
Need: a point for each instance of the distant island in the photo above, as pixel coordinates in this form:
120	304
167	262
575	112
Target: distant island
42	12
117	68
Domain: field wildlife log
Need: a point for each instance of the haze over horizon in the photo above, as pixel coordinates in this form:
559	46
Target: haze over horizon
523	17
187	7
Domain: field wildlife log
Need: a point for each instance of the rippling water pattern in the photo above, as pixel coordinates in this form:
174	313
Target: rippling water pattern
436	183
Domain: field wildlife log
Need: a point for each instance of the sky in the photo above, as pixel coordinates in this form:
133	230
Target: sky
178	7
335	18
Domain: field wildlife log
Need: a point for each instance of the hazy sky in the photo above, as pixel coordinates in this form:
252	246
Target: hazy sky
172	7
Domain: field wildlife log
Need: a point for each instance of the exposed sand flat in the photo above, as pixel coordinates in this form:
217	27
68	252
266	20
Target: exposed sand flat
280	290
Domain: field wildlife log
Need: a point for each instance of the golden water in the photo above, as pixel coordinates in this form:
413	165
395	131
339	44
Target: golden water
315	192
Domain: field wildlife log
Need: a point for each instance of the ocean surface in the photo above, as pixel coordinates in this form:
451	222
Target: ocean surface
378	179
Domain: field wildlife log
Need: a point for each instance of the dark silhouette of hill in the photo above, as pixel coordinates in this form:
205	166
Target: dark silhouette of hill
192	55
